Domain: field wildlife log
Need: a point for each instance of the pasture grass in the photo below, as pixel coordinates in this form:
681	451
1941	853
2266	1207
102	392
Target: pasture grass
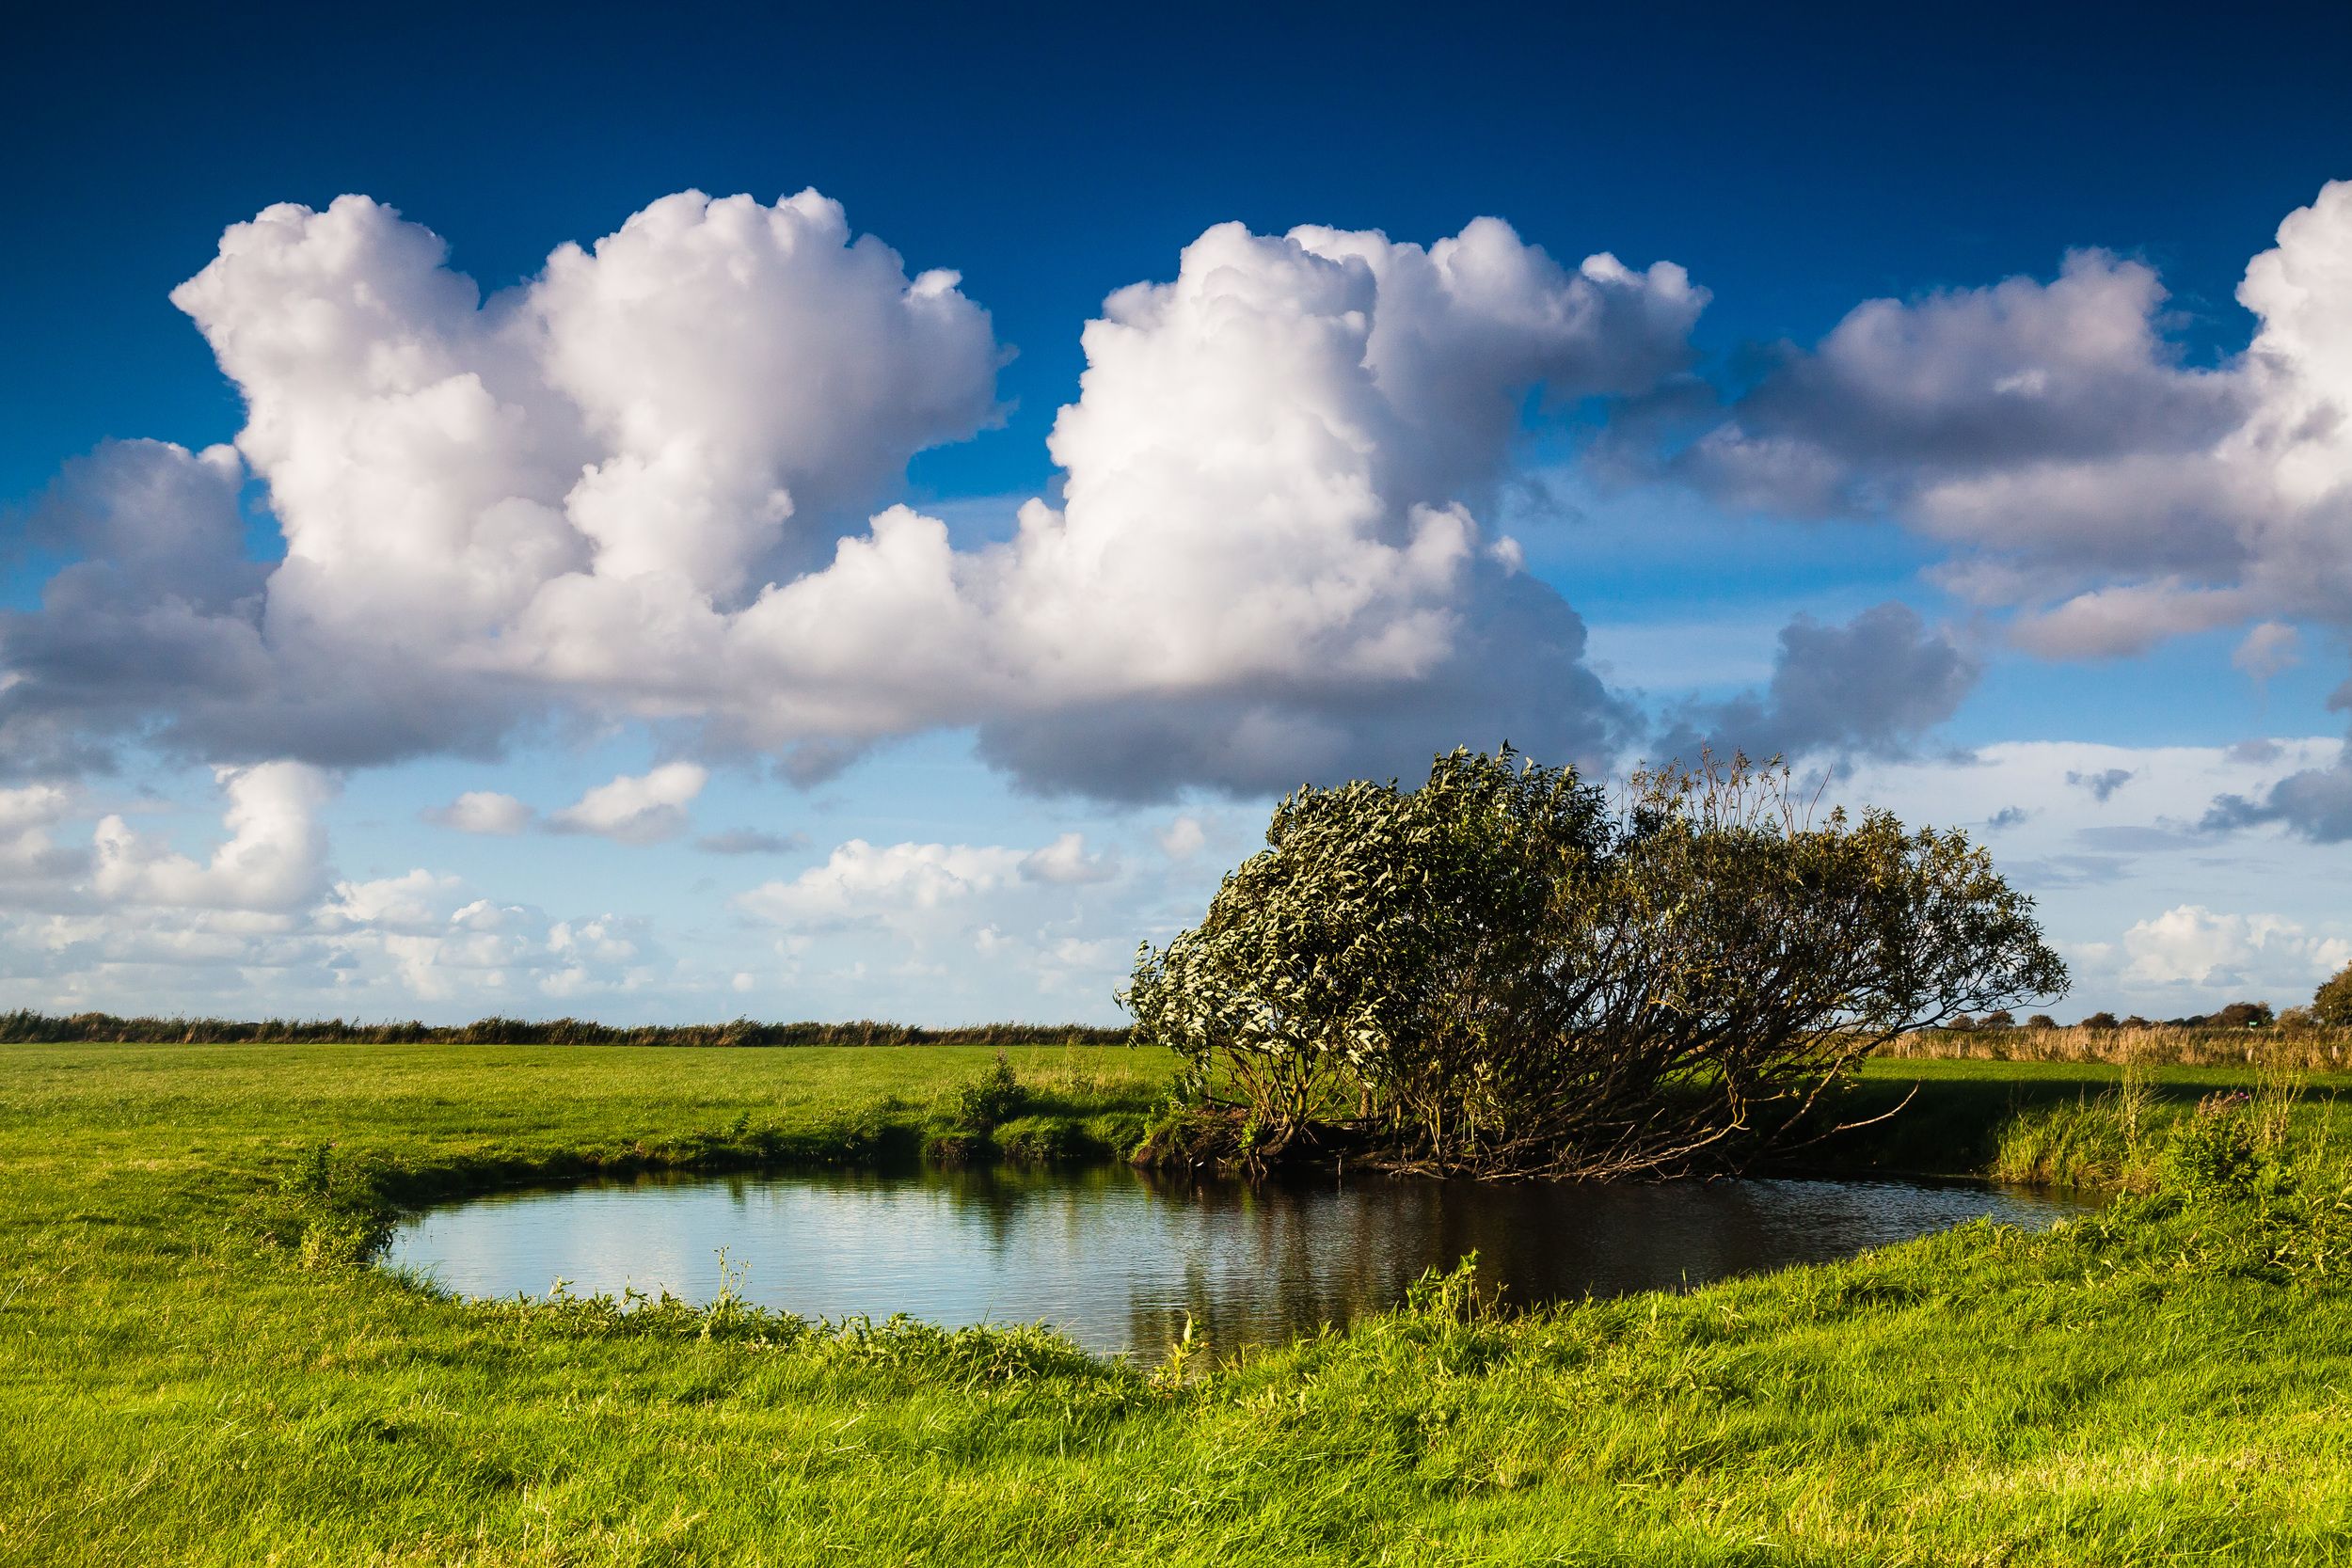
2164	1383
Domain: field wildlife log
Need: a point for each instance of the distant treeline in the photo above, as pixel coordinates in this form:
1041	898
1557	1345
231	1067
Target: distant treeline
26	1026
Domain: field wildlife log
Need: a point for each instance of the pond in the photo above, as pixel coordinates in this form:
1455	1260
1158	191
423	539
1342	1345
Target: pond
1117	1258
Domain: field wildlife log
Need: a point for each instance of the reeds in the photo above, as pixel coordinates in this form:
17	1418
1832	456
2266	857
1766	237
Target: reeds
2134	1098
2309	1048
2279	1083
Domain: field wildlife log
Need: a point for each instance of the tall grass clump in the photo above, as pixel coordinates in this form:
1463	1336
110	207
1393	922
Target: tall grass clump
2128	1137
979	1352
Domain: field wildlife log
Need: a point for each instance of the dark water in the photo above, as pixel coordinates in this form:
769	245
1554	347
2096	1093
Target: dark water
1117	1258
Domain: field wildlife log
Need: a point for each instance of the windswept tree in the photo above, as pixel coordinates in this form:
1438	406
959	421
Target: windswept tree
2332	1003
1497	974
1362	960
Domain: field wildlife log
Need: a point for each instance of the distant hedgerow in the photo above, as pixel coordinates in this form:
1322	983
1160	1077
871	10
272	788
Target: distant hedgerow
25	1025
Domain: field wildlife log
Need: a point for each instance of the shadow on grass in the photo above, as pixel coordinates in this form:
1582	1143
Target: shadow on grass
1950	1127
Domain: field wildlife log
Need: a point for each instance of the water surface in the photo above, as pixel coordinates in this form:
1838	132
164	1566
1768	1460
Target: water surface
1117	1258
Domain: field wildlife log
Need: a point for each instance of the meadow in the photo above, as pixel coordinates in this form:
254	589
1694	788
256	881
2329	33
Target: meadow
195	1371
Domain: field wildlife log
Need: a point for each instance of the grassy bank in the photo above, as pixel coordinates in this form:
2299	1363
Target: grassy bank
2160	1384
438	1118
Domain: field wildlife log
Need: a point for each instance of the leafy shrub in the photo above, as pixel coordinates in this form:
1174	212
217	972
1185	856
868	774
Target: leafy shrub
2041	1021
2099	1020
2243	1015
2215	1155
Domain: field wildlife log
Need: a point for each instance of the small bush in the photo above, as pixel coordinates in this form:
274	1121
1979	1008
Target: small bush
2099	1020
2215	1155
327	1210
992	1098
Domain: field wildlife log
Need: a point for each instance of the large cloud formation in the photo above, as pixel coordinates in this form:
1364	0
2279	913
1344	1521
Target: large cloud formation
2102	492
2107	494
638	487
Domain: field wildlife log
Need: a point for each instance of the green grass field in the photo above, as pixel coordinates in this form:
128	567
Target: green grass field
2163	1384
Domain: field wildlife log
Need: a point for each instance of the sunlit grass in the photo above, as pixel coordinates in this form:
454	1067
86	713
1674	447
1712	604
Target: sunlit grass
2151	1387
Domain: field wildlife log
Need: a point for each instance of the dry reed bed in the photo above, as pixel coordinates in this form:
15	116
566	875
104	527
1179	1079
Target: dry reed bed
2309	1048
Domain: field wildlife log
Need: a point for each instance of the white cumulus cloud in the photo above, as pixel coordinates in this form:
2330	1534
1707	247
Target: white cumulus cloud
1066	861
2192	945
482	810
261	922
2088	479
642	810
275	858
863	884
1182	838
929	911
34	867
638	485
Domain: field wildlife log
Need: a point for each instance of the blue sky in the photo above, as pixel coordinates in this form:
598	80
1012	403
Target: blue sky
2069	502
